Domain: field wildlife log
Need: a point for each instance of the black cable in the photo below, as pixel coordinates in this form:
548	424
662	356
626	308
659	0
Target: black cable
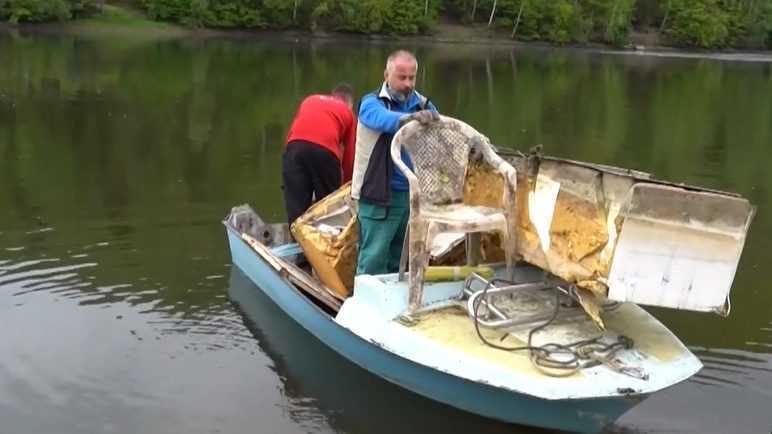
542	356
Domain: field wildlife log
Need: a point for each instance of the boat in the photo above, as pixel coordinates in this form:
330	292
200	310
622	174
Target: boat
518	345
450	366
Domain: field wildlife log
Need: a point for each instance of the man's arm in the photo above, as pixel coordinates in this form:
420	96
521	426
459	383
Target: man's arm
373	114
349	143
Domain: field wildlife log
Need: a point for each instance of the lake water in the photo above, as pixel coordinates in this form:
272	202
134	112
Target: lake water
119	156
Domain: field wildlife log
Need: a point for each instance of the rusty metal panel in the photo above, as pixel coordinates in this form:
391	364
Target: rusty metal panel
622	234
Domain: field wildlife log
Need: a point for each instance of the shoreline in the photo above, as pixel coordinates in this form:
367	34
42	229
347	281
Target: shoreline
130	22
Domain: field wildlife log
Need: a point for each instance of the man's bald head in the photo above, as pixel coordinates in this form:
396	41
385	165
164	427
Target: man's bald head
401	56
400	73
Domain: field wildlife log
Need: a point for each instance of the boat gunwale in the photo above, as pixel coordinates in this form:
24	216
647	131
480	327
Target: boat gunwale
285	270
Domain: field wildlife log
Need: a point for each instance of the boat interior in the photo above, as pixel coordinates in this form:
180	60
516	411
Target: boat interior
528	334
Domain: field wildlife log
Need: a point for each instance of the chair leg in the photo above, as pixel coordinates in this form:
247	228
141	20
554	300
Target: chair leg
473	248
418	261
509	245
403	257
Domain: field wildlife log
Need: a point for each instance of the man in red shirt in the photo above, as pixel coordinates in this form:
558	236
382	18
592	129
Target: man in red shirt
319	154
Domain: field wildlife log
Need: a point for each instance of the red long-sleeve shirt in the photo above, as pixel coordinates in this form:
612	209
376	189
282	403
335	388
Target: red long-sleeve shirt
328	122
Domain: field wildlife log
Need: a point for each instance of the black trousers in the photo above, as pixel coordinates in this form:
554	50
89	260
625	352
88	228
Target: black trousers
309	173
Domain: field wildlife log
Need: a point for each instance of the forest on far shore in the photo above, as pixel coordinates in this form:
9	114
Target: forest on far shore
741	24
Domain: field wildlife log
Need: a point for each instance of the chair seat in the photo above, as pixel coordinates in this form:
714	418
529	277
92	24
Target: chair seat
460	213
458	216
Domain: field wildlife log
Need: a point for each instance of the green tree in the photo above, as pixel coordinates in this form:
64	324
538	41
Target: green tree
17	11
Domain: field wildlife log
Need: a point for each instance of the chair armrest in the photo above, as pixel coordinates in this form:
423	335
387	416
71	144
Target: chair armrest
499	164
510	178
495	161
412	179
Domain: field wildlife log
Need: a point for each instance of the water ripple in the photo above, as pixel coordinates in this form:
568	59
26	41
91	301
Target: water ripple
201	313
65	285
40	231
42	274
216	331
23	264
733	368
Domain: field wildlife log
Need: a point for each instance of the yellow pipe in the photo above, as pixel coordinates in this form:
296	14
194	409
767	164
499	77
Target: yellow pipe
444	273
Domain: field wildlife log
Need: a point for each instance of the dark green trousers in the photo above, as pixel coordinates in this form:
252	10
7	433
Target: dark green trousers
381	234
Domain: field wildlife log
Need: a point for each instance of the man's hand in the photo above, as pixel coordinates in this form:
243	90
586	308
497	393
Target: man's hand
426	116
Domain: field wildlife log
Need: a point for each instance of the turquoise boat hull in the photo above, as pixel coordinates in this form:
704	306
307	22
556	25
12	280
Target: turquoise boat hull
578	415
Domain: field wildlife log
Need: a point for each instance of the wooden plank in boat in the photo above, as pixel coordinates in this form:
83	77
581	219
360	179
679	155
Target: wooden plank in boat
295	275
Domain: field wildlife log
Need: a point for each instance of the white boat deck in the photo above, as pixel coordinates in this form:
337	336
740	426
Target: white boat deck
443	337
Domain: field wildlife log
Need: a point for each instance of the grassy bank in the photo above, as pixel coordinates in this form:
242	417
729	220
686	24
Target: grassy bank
118	18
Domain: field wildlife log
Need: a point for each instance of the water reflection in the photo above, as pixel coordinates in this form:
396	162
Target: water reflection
118	158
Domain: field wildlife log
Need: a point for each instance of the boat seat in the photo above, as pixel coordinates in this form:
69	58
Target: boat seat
440	153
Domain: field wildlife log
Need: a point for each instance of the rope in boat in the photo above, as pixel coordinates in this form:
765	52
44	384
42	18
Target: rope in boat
576	355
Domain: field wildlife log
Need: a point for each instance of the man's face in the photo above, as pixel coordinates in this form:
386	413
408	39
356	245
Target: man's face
401	77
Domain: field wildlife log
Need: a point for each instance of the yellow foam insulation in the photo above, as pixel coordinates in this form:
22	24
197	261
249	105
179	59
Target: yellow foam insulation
333	256
577	235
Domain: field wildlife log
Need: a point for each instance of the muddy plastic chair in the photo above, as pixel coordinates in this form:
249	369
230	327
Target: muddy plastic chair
440	152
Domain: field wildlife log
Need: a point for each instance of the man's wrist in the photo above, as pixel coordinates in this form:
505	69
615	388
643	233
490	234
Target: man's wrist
407	117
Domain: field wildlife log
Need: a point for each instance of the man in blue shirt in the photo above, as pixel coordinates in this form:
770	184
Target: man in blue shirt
381	189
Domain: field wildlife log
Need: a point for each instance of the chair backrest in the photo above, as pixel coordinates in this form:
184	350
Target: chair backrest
440	154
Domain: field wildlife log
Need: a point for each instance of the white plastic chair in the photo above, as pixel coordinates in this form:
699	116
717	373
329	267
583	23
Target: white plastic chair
440	153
